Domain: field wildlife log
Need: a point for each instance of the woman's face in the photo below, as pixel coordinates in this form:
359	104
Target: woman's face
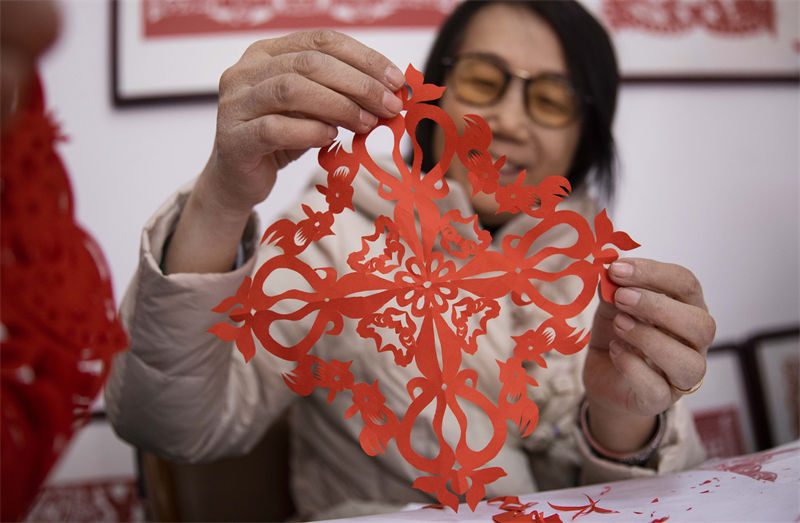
524	42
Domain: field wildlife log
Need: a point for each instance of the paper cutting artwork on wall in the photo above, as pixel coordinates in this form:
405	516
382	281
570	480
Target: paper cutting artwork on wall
425	287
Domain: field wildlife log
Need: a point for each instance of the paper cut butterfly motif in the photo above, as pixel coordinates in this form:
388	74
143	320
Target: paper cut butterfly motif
435	283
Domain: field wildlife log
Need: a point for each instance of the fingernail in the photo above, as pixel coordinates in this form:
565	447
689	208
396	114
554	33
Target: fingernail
621	269
624	322
368	120
626	296
394	77
332	132
392	103
614	347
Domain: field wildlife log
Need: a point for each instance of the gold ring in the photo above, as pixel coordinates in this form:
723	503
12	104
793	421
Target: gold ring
685	391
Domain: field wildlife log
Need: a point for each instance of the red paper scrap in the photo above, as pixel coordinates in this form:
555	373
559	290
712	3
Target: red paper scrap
511	503
585	509
514	511
521	517
420	278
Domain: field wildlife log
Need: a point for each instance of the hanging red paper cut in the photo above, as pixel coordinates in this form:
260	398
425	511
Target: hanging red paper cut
425	287
59	323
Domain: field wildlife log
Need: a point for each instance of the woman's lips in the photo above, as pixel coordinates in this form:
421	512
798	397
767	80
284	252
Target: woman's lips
509	171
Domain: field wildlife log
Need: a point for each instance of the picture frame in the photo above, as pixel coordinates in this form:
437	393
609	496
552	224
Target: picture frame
774	357
179	55
721	408
180	52
698	41
750	397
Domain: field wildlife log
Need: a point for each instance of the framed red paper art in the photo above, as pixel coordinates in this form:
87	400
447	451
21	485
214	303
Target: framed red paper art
166	50
702	40
425	287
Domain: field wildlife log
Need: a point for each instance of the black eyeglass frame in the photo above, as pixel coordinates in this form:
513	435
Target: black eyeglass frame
580	101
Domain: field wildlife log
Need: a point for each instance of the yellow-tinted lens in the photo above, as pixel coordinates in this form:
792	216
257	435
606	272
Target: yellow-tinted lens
477	82
551	101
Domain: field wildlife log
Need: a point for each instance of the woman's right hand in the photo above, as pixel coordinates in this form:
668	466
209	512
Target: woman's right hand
284	96
289	94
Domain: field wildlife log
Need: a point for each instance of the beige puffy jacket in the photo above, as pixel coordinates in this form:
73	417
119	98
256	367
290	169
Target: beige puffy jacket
184	394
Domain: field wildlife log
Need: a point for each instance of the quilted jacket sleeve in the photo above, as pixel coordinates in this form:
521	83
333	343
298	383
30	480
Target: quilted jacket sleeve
180	391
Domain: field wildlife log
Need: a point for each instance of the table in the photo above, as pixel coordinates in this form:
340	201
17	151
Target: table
764	486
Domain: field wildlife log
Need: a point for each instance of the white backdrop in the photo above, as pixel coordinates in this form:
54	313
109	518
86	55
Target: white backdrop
709	172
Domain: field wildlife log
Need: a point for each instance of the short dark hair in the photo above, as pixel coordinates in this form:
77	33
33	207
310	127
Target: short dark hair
593	70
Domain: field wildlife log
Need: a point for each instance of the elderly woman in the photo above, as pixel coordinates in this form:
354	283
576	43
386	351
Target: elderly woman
543	76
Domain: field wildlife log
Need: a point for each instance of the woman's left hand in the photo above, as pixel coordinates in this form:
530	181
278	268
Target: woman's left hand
645	348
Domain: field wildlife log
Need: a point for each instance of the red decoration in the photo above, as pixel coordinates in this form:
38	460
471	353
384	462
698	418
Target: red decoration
60	327
435	307
724	17
170	18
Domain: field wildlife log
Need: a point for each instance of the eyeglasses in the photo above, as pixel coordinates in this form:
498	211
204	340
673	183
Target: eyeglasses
482	80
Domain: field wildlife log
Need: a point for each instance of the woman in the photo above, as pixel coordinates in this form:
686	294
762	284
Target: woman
543	77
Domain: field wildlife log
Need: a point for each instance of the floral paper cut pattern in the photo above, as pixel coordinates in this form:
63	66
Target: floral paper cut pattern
425	287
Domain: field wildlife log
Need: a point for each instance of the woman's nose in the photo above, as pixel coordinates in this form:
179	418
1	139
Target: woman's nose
509	116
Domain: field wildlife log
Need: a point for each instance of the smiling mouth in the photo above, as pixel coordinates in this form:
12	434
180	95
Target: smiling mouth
509	171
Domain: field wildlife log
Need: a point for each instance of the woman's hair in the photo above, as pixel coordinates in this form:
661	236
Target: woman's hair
592	68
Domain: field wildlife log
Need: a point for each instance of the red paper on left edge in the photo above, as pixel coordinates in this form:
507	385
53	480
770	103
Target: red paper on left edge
434	287
60	327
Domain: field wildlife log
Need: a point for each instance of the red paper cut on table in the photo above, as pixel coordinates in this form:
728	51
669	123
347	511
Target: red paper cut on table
60	327
514	511
437	301
582	510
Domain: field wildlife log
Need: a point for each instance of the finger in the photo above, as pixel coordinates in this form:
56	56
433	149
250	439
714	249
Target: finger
298	95
689	323
603	324
15	78
650	393
668	278
336	75
683	366
268	134
31	27
340	46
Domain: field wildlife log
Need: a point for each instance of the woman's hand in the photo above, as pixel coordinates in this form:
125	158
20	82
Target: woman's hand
284	96
651	341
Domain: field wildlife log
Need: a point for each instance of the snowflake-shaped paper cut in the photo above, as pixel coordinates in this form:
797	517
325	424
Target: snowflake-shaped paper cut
433	287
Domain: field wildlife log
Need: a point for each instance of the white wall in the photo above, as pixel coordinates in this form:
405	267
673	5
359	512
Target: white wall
710	172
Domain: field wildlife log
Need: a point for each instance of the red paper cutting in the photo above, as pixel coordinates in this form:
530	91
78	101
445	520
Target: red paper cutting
513	511
60	327
420	277
582	510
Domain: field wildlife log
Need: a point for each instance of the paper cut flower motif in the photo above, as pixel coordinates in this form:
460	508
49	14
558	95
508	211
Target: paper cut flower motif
424	287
